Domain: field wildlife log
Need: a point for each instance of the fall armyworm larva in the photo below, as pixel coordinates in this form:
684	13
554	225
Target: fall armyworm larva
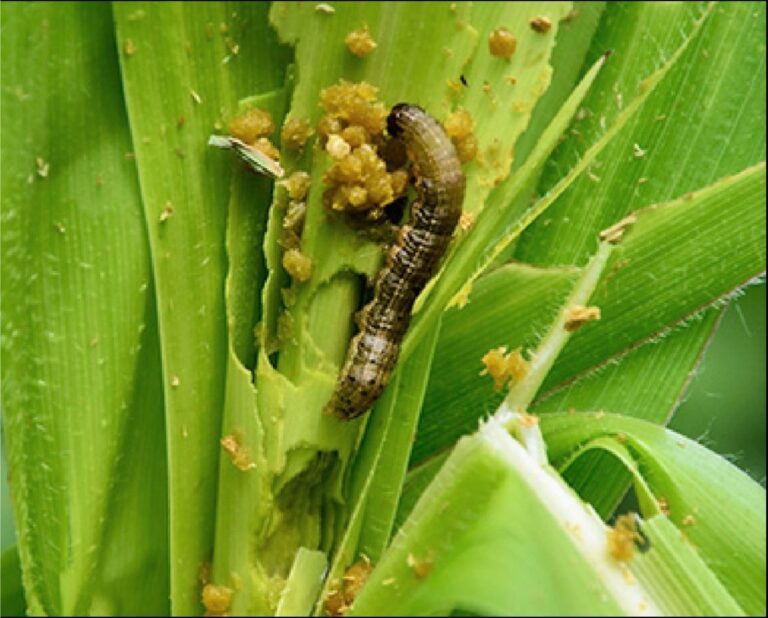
411	261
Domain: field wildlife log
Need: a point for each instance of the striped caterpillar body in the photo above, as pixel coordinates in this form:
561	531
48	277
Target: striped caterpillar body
411	261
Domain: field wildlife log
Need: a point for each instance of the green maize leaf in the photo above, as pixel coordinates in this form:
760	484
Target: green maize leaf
78	311
680	579
706	123
380	467
727	244
643	37
719	508
242	494
389	471
182	78
650	249
734	368
312	351
135	544
649	382
492	507
657	372
425	567
250	197
12	601
417	480
164	377
725	97
649	286
510	308
645	380
303	584
574	35
400	75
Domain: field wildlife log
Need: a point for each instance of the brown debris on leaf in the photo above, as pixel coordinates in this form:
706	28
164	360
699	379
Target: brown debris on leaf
343	593
541	24
578	316
614	233
237	452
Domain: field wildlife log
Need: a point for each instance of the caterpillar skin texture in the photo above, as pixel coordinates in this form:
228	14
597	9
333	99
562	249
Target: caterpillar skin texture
411	261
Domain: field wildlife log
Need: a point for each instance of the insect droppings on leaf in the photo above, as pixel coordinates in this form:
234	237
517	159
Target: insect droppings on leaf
466	221
502	43
359	183
360	42
261	156
166	212
42	167
355	576
293	225
459	126
251	125
663	504
541	24
216	599
620	541
337	147
503	367
267	148
295	133
237	452
297	185
421	567
334	604
297	265
232	45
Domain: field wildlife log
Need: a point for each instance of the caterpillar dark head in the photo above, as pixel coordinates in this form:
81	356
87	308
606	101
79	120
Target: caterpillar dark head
397	115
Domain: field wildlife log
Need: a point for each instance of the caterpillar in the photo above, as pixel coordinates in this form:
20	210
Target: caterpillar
411	260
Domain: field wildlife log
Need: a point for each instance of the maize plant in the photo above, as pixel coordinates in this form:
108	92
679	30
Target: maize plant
175	319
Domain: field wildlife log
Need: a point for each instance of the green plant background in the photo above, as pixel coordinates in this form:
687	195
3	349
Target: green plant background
724	408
